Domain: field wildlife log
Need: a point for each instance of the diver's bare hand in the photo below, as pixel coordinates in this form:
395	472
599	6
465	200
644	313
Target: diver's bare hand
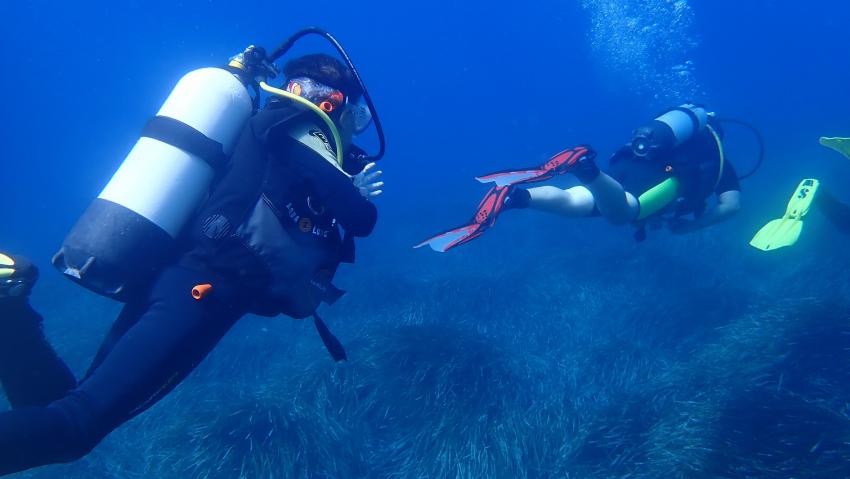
366	184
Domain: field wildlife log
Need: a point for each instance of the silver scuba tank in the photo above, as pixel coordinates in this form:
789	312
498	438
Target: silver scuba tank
130	230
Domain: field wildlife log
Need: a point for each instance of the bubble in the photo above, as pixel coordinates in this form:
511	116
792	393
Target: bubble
645	44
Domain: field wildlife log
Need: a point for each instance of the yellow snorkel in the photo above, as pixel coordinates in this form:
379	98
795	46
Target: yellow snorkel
324	116
239	64
841	145
253	66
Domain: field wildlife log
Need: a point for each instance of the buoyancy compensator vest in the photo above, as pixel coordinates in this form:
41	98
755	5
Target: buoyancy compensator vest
269	228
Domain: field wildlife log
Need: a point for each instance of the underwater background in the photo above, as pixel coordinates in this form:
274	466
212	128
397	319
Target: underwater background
550	347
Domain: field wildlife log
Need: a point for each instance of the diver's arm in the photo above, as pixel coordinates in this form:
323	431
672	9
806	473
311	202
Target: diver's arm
332	185
354	212
728	191
728	203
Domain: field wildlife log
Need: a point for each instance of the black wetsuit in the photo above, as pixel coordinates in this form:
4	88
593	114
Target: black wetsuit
695	164
837	212
161	336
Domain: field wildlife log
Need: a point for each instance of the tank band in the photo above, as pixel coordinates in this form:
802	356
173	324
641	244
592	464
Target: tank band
180	135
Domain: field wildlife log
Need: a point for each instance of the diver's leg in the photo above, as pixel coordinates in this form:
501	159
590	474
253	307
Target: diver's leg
31	372
603	193
837	212
616	205
174	334
575	201
130	315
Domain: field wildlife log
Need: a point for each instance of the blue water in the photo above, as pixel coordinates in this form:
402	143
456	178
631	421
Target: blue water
549	347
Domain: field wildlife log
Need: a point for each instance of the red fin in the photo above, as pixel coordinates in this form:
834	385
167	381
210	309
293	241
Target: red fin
556	165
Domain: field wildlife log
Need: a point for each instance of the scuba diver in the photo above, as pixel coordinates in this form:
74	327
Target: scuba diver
264	193
837	212
785	231
664	174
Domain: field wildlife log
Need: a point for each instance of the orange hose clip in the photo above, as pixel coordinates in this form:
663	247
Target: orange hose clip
201	290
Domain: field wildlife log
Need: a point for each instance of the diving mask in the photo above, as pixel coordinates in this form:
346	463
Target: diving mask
323	96
330	99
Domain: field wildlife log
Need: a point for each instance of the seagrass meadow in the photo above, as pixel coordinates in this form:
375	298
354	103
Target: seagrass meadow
542	365
550	347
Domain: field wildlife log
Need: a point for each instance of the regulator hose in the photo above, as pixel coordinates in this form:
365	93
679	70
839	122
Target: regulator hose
759	138
288	44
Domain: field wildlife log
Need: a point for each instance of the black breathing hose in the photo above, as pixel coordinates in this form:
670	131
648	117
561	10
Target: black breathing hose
287	45
759	138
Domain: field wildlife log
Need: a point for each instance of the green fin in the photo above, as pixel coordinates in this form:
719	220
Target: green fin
786	230
7	266
841	145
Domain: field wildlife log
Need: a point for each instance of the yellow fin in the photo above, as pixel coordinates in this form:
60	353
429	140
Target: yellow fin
777	234
841	145
801	200
786	230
